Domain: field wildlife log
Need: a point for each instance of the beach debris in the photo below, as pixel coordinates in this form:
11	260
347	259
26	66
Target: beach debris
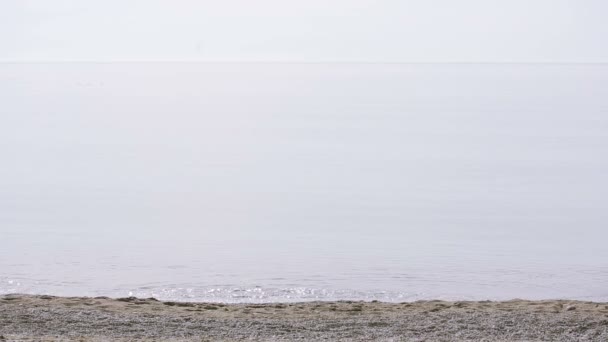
127	299
180	304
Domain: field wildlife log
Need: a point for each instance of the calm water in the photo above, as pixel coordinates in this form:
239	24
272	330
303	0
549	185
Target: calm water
287	182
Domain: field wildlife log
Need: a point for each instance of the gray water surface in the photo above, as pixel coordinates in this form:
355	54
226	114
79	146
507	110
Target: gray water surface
293	182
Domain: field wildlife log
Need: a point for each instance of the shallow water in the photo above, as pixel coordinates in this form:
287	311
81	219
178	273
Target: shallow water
289	182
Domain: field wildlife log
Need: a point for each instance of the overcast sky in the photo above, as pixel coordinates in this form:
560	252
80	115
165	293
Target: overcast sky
305	30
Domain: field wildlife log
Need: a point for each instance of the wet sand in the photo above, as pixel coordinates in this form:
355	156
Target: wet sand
48	318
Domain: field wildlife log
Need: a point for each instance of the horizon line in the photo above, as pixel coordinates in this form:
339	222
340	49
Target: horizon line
300	62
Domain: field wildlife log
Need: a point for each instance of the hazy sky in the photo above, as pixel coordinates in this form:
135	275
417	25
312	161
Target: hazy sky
311	30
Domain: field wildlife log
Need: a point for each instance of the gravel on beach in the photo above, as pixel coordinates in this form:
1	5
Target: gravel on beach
49	318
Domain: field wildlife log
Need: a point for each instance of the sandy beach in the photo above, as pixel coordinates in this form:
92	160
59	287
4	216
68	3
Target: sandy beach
49	318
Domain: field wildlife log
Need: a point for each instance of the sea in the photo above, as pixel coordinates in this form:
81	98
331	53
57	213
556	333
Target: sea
290	182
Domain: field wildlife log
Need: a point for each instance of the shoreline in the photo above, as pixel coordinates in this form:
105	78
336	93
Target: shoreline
48	318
